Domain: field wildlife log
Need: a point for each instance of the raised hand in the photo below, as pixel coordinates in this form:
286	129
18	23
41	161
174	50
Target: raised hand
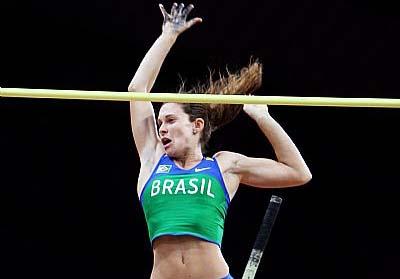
175	22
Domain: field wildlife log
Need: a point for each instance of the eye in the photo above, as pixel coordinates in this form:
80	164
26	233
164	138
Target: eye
170	120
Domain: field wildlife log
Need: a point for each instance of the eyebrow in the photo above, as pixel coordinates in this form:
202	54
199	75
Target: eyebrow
166	116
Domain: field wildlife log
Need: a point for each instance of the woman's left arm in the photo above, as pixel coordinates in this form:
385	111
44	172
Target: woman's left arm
290	168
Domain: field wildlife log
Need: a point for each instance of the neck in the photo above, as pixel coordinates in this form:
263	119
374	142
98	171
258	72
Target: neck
190	158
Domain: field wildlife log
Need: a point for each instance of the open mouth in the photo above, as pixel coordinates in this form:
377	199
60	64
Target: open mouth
165	141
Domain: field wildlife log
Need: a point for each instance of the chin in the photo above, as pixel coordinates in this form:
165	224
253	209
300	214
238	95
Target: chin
173	153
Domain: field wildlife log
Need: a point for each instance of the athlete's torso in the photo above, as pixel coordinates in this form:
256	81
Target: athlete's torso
191	201
186	256
147	167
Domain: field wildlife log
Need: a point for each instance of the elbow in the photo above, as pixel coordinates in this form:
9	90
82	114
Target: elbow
304	177
307	177
300	177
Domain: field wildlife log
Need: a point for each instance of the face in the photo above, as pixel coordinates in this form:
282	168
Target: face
178	134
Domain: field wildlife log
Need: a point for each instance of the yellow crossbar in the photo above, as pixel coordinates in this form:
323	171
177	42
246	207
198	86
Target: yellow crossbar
199	98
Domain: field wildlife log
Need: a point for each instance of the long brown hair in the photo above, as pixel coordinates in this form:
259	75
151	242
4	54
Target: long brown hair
245	81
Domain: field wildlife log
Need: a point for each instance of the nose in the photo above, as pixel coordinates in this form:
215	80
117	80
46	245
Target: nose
162	130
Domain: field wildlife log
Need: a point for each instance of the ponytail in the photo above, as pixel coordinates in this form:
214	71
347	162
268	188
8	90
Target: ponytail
245	82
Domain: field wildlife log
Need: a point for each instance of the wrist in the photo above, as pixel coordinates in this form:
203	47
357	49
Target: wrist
261	117
170	36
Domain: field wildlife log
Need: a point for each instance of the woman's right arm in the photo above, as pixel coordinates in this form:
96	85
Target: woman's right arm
142	113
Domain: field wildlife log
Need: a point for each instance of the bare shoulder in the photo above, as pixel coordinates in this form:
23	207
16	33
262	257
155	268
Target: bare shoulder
228	159
229	155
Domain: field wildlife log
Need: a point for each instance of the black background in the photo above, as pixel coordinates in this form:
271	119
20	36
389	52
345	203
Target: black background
68	205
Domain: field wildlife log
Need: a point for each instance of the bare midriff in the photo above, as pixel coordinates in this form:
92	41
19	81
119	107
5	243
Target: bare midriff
187	257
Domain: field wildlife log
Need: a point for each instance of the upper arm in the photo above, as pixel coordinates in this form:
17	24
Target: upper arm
263	172
144	129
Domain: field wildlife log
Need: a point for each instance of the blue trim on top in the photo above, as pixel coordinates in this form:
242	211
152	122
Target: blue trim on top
187	234
228	199
179	170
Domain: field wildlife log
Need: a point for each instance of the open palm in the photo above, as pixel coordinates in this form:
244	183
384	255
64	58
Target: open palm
175	22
